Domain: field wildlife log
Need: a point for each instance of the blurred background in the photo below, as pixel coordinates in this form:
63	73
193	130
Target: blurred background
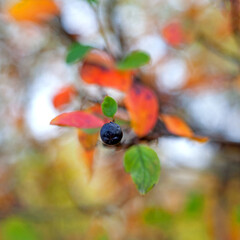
45	189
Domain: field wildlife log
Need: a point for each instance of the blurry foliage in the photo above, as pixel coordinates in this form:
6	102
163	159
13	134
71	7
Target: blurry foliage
64	184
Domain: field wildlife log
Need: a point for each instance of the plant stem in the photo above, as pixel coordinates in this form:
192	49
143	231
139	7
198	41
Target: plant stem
102	30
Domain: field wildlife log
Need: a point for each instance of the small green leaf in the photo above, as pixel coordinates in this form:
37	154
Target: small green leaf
122	122
109	106
90	130
77	52
93	1
134	60
143	164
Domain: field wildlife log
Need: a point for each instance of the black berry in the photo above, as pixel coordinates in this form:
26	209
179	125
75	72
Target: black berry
111	133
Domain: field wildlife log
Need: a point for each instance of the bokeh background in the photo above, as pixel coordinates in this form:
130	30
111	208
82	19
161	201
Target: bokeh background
45	189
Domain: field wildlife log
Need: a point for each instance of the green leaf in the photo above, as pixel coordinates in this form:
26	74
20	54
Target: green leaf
122	122
90	130
158	217
194	204
238	214
109	106
77	52
143	165
134	60
93	1
17	229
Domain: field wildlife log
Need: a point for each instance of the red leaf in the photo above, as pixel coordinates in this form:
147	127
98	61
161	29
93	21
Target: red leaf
99	68
173	34
63	96
106	77
142	105
78	119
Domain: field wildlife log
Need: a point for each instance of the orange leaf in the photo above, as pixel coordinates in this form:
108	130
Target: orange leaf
78	119
34	10
63	96
199	139
176	125
173	34
142	105
93	73
88	142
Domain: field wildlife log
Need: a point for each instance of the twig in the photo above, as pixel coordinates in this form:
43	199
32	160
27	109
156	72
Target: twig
102	30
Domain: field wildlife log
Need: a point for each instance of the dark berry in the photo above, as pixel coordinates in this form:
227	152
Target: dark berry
111	133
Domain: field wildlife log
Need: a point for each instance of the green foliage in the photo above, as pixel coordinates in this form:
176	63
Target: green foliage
90	130
17	229
122	122
109	106
143	164
238	214
102	237
93	1
158	217
194	204
134	60
77	52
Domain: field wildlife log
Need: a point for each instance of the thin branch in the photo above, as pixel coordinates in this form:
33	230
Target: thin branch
101	29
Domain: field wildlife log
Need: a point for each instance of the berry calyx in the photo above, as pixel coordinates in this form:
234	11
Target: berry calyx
111	133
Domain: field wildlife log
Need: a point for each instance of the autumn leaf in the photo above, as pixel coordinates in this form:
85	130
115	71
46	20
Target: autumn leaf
99	68
106	77
173	34
34	10
88	142
88	138
142	105
78	119
177	126
64	96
